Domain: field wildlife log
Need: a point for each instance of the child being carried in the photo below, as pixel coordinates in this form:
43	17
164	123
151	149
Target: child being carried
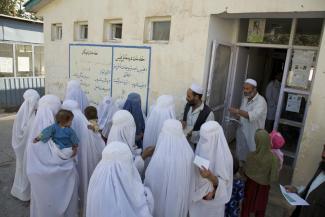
61	134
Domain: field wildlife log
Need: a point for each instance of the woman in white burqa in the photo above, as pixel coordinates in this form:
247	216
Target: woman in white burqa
115	188
54	181
20	132
213	185
169	172
74	92
163	110
89	150
124	130
106	109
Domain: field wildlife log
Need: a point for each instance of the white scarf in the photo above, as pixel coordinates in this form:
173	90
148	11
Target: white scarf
213	147
90	148
115	188
169	172
20	132
54	181
74	92
106	109
162	111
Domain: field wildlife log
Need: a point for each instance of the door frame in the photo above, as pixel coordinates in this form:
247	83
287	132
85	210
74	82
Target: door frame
224	106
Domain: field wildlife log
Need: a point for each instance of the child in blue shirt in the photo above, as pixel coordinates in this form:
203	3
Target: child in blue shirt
61	133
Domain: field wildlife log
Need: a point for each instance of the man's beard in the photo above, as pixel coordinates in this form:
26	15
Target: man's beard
322	165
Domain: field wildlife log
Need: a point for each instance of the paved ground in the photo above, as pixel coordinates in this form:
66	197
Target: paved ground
11	207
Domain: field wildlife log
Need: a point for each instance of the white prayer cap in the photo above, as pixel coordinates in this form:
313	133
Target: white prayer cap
251	82
197	88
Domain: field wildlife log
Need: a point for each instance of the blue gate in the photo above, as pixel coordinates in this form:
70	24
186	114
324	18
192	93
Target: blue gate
13	88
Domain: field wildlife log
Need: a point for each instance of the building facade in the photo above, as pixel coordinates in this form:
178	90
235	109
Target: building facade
215	43
21	59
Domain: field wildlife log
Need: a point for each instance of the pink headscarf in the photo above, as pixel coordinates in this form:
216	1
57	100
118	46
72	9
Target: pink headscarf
277	142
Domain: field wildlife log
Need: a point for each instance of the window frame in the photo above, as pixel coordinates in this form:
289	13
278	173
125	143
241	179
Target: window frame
109	30
149	29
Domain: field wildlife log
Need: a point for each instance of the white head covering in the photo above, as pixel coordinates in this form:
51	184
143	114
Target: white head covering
169	172
46	169
106	109
74	92
213	147
162	111
115	188
251	82
120	103
90	147
20	132
197	88
123	129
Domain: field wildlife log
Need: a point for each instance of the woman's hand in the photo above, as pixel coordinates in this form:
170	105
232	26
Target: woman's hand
207	174
148	152
291	189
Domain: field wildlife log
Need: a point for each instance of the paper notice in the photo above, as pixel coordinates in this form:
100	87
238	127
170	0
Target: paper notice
201	162
292	198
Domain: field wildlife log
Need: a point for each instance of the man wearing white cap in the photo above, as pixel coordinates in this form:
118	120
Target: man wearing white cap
252	115
196	113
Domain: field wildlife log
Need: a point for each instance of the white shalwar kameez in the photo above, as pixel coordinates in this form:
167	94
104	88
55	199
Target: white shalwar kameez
20	133
123	130
162	111
212	146
106	109
89	150
245	135
115	188
170	171
54	181
74	92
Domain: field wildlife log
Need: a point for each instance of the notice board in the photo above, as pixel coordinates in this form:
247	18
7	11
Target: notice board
111	70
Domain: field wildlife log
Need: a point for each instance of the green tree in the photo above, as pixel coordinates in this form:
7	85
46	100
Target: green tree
8	7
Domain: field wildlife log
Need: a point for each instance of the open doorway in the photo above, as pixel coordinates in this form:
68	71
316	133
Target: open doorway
266	66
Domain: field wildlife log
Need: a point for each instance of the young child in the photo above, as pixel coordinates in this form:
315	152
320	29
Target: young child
277	142
233	206
91	115
62	135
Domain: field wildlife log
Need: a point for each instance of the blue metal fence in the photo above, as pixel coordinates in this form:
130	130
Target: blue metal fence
13	88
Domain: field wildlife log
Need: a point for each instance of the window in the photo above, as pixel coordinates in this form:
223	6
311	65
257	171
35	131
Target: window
81	31
308	32
56	32
24	60
39	61
113	30
158	29
6	60
266	31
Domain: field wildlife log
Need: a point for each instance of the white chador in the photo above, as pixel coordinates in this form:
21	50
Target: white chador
169	172
115	188
90	148
74	92
106	109
213	147
20	132
54	181
162	111
123	130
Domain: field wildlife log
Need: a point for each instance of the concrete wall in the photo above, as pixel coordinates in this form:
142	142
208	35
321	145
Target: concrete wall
174	65
313	138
